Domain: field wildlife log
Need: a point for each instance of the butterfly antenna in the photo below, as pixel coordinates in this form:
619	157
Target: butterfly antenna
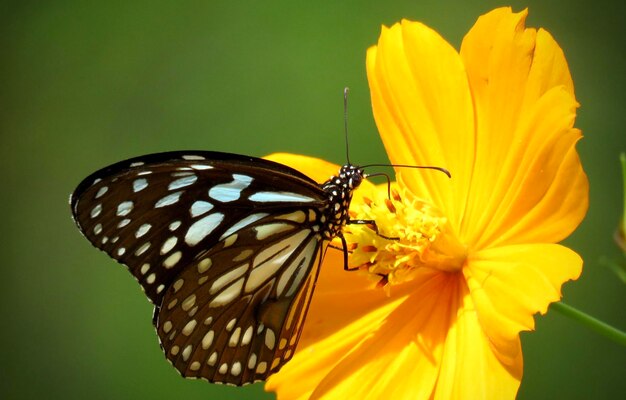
440	169
346	90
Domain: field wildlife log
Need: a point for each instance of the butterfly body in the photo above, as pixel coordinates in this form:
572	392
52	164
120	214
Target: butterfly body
226	247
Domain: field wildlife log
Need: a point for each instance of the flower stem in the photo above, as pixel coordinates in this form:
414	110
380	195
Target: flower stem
591	322
620	270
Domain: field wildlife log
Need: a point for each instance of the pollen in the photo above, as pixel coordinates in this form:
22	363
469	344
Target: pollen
410	235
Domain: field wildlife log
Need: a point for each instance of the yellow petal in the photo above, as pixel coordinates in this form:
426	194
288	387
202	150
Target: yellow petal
470	368
508	285
363	357
315	168
336	324
354	292
426	343
423	109
525	111
549	69
542	194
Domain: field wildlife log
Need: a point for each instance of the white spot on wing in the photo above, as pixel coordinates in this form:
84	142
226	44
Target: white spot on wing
187	352
270	339
279	197
247	336
200	207
169	244
229	241
204	265
228	294
202	228
223	368
296	216
267	230
101	191
185	172
193	157
212	359
235	370
182	182
174	225
200	166
250	219
231	191
139	184
268	261
188	302
297	268
172	259
124	208
234	338
142	249
261	368
144	268
189	327
227	278
96	211
207	339
168	200
252	361
143	229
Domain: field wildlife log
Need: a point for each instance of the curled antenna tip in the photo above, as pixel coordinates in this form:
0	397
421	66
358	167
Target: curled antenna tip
445	171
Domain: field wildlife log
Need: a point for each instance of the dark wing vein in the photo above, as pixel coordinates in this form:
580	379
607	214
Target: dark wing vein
158	213
235	316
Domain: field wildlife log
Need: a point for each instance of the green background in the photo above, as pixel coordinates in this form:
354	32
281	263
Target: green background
84	84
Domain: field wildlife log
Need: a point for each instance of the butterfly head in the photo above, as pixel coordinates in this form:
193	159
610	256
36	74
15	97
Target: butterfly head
351	176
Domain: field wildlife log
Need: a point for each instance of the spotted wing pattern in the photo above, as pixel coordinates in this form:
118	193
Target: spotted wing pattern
227	247
242	325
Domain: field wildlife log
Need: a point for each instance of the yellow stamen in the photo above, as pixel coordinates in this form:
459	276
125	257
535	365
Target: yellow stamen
412	234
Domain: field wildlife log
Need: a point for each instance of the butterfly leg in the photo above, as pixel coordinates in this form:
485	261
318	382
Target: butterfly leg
372	224
345	255
344	246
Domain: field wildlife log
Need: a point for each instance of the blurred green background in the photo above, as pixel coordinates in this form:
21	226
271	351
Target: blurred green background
84	84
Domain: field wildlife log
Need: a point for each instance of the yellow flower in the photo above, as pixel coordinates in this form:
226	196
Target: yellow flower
437	313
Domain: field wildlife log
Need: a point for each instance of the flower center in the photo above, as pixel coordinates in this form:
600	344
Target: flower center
412	234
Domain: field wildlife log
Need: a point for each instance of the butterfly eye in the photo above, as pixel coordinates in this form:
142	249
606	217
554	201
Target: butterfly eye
356	179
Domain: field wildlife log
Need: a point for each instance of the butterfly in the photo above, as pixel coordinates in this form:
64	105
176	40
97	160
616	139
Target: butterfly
227	248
